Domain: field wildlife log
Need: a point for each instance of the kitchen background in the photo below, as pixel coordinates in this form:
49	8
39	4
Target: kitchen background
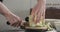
22	9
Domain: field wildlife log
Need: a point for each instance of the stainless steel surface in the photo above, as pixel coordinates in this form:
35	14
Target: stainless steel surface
52	31
12	31
56	23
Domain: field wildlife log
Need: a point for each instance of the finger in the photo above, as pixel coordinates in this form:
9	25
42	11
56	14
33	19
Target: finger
38	16
18	24
14	24
22	23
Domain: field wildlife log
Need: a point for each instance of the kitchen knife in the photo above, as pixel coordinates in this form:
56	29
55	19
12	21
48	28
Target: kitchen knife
22	26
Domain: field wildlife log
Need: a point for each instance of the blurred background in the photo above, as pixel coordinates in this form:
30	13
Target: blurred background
22	9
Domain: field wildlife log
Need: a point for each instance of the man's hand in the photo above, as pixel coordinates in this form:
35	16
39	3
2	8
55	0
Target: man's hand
38	11
14	20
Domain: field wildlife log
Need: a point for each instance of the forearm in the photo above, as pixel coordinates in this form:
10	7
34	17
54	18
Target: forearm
4	10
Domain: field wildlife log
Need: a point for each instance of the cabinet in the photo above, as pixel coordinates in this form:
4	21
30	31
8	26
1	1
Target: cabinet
53	13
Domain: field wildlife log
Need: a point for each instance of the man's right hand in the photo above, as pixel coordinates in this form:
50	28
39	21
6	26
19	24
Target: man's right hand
14	20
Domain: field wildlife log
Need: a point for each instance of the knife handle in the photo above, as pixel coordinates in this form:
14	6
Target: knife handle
8	23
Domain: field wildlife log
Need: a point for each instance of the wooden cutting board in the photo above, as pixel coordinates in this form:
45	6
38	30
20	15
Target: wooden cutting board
36	28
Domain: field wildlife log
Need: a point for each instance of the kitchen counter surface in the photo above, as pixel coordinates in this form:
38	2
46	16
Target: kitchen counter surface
12	30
